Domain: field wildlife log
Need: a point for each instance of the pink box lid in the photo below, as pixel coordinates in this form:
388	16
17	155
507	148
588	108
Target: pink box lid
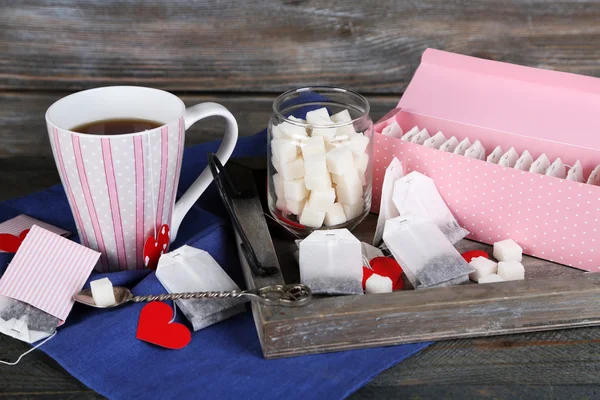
549	105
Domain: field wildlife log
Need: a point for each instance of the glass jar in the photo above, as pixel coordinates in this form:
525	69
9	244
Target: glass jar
320	151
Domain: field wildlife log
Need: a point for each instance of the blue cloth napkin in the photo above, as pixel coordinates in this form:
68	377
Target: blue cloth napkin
223	361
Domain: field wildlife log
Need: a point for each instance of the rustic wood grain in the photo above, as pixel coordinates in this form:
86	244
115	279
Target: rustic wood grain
274	45
23	130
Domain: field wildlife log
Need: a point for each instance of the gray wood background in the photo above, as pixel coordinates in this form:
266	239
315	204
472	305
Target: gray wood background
242	54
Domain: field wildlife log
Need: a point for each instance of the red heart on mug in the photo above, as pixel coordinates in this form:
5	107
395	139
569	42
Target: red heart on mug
156	247
155	326
11	243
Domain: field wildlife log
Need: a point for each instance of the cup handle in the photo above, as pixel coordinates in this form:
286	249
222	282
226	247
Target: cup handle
192	115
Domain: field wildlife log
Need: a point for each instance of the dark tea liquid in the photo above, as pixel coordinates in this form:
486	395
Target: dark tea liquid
116	126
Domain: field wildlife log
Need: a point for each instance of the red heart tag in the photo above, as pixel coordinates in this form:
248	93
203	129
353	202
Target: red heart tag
156	247
11	243
387	266
367	272
155	326
469	255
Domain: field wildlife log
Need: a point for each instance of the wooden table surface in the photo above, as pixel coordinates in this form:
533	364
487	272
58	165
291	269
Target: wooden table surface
242	54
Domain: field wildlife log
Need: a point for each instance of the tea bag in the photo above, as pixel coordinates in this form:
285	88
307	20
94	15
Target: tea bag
331	262
410	134
540	165
24	322
576	173
495	155
524	162
594	178
420	137
557	169
415	194
509	159
476	151
435	141
462	147
188	269
427	257
449	145
392	130
387	208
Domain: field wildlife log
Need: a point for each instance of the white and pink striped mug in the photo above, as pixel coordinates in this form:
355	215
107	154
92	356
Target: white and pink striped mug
121	188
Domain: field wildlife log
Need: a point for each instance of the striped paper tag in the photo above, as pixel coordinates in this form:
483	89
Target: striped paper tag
20	223
47	271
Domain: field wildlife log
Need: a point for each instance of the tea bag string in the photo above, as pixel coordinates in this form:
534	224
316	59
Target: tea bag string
152	184
37	346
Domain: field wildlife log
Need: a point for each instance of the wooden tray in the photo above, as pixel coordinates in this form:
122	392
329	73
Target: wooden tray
557	297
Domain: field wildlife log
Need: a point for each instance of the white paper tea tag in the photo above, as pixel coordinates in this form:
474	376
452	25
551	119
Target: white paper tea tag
476	151
509	159
435	141
416	194
420	137
558	169
188	269
410	134
331	262
594	178
392	130
576	173
449	145
495	155
541	165
462	147
387	208
524	162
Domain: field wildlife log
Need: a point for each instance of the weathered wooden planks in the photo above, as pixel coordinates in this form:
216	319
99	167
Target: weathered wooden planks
273	45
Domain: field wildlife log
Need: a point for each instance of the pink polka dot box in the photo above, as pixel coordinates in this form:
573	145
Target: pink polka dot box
552	212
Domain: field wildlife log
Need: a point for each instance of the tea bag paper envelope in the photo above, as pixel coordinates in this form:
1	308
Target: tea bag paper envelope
15	226
387	208
427	257
188	269
331	262
37	288
415	194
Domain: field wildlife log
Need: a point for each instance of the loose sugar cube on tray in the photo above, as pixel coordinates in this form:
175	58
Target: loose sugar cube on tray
508	250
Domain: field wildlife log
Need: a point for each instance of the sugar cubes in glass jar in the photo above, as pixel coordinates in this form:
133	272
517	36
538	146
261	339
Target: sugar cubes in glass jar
320	165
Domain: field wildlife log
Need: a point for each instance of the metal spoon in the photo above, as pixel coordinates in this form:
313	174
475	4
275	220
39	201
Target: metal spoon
295	295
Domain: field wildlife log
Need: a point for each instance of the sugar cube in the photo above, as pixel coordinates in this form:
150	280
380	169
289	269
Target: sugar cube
508	250
335	215
279	189
354	211
342	116
392	130
491	279
540	165
277	132
345	132
312	218
295	189
435	141
293	170
361	162
511	270
524	162
378	284
315	164
276	163
281	204
450	145
409	135
347	178
462	147
495	155
349	192
321	200
339	160
358	143
483	267
420	137
285	150
314	145
293	131
318	181
102	292
318	117
327	133
295	207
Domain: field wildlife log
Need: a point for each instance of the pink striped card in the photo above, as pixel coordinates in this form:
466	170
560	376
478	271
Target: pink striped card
47	271
20	223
